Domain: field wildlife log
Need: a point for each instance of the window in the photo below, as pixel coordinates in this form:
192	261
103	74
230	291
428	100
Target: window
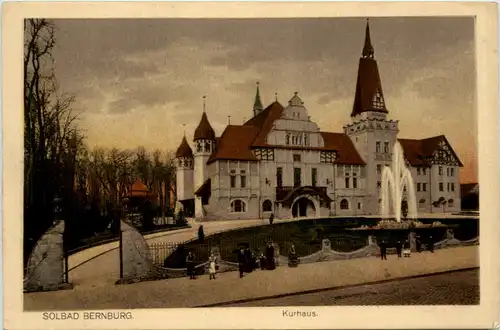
441	186
354	181
452	171
440	169
379	168
447	171
297	174
314	176
450	202
452	186
305	140
238	206
287	138
279	177
418	186
207	146
344	204
296	158
377	147
347	182
424	186
418	170
424	172
267	206
199	147
386	147
243	179
359	206
233	178
422	201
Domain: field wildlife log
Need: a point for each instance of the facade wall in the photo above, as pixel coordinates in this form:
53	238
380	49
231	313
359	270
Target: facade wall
373	136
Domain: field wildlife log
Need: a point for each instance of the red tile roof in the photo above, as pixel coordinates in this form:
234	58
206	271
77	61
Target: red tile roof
139	189
184	149
236	142
204	131
418	152
347	153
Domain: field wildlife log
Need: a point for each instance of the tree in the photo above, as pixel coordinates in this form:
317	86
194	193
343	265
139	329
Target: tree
51	136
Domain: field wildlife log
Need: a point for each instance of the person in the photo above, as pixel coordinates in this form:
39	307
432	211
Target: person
190	265
212	263
262	261
248	260
406	249
293	260
399	248
271	218
270	261
418	244
241	260
383	250
431	244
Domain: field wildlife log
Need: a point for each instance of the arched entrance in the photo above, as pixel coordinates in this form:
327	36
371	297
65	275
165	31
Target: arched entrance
303	207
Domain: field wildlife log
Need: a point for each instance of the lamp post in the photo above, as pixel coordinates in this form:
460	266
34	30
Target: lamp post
125	215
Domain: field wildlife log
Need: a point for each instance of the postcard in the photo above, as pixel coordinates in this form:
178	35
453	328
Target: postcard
250	165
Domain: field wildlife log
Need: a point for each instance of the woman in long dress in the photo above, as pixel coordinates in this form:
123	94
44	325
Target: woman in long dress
212	269
270	261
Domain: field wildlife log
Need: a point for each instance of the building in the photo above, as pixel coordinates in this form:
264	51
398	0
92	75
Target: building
280	162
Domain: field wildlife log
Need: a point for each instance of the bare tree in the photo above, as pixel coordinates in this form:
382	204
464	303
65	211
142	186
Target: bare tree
51	138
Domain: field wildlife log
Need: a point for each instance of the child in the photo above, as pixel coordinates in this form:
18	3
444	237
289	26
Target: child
212	266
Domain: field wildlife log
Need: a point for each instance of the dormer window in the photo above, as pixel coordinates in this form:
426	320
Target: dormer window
378	100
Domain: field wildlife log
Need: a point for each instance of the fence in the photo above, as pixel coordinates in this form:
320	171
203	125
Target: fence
172	255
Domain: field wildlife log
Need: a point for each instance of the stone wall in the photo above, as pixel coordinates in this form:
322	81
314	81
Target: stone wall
137	263
45	270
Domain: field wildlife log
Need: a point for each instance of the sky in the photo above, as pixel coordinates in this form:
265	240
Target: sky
137	82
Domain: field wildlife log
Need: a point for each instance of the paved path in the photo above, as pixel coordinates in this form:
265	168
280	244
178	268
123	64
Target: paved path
453	288
99	265
182	292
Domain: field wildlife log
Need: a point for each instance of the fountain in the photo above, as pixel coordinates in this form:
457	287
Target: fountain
394	181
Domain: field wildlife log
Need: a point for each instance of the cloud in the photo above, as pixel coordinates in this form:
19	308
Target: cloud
147	77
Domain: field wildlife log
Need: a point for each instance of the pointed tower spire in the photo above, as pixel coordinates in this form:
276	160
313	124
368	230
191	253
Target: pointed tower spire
369	96
368	50
257	105
204	102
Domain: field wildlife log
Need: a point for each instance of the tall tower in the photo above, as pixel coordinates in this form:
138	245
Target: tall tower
257	105
185	168
371	132
204	139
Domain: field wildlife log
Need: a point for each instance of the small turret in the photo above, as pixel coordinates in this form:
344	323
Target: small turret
184	154
257	105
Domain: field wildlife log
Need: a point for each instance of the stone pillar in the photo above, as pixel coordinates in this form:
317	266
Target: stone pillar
412	238
137	262
46	262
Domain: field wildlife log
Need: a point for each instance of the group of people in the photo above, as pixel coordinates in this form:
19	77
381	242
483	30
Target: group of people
404	249
191	266
248	261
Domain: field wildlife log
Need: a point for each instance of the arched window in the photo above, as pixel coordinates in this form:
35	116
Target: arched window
238	206
450	202
199	147
267	206
344	204
207	146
